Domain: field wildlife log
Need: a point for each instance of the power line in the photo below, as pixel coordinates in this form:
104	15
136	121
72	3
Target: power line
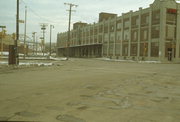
39	16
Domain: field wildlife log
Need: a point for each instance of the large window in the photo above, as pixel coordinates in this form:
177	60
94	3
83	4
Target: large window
100	28
134	35
156	17
155	32
144	34
155	49
171	16
144	19
133	49
125	49
106	28
170	32
106	38
119	25
144	49
126	35
135	21
126	23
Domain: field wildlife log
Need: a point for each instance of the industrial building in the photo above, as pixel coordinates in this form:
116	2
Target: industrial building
152	33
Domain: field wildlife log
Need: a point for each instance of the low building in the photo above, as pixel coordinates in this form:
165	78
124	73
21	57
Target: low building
147	34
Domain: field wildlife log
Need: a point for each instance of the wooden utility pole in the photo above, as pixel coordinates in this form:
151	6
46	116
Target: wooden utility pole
17	36
25	47
51	26
3	33
43	28
34	40
69	26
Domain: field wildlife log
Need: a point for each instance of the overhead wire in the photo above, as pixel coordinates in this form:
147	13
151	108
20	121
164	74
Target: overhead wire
36	14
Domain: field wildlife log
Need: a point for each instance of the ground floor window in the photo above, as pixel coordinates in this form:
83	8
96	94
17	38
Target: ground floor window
105	49
133	49
155	49
118	47
125	49
144	49
170	50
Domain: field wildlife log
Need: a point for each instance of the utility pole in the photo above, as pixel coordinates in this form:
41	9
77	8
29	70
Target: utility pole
17	35
36	45
69	26
25	32
43	28
34	39
2	27
51	26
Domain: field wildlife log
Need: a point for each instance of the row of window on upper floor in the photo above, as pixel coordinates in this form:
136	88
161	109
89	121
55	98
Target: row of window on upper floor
125	24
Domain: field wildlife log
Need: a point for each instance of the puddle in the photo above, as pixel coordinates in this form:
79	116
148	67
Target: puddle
90	87
86	96
83	108
69	118
27	114
141	120
55	108
4	118
74	103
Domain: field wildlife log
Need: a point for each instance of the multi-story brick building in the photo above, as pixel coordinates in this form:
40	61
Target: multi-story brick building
147	34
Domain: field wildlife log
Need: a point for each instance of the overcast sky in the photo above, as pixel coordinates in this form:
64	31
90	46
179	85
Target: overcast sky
54	12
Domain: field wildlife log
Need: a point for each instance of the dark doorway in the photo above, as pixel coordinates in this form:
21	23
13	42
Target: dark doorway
170	54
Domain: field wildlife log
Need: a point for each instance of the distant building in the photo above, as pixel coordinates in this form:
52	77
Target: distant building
147	34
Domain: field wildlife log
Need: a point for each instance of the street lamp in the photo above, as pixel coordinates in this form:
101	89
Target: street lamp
51	27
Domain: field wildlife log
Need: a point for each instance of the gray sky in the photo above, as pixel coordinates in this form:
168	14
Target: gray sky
54	12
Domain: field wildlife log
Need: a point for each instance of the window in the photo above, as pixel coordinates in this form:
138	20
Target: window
145	35
126	24
137	21
144	49
126	35
112	39
155	32
119	25
133	49
170	32
119	36
155	49
156	17
106	38
125	49
135	35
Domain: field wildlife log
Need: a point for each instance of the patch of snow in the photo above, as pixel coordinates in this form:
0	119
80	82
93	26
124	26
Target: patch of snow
58	59
3	62
29	64
116	60
7	53
36	64
4	53
153	62
36	58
